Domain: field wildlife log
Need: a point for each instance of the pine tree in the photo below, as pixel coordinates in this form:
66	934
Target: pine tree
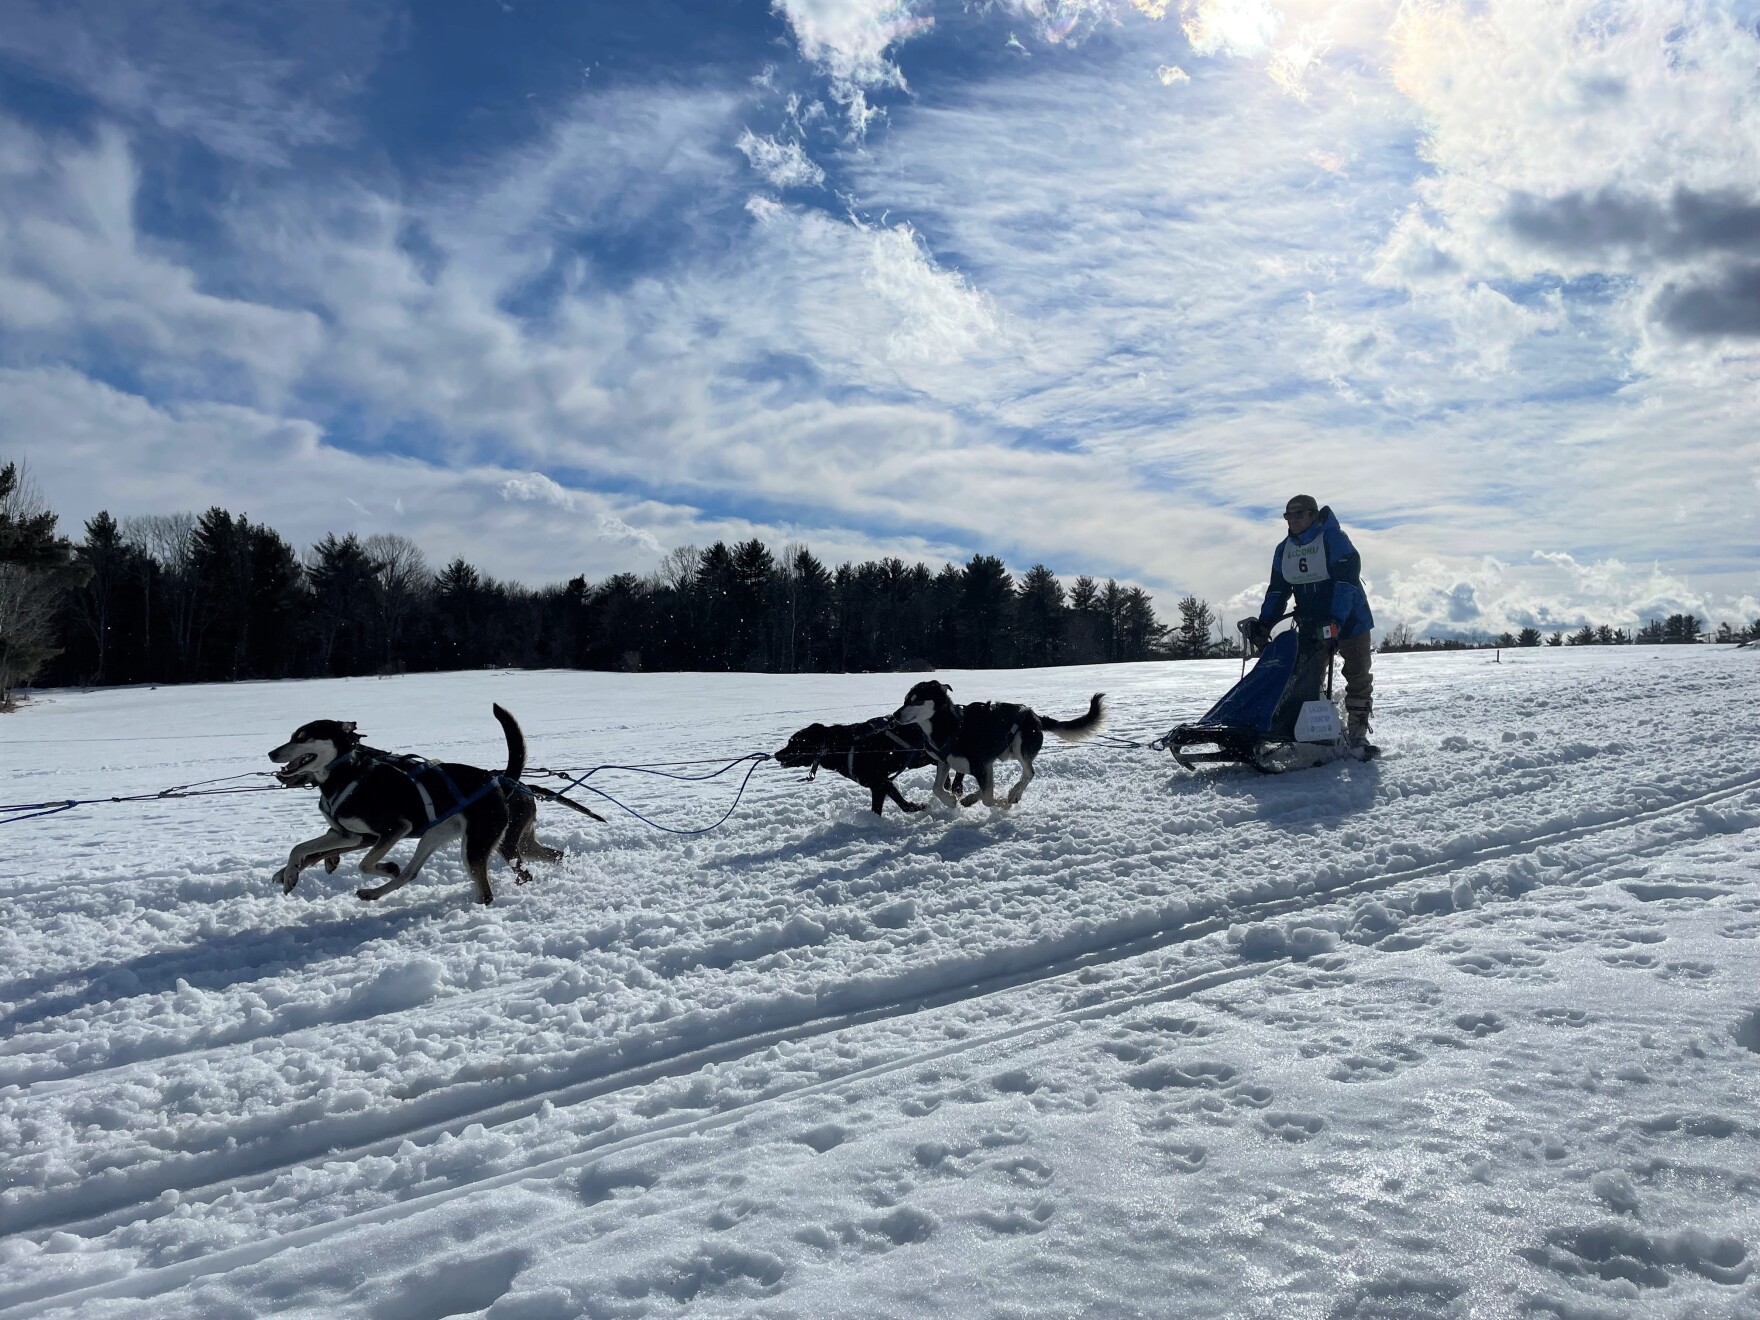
1192	641
98	604
1038	617
36	566
986	611
1682	629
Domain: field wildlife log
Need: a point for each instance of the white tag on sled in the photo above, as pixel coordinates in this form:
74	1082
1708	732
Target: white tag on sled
1318	722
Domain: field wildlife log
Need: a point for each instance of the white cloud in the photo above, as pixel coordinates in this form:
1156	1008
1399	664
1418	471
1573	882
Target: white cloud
81	282
536	488
938	315
187	69
849	39
1551	591
783	164
1230	27
616	529
1572	139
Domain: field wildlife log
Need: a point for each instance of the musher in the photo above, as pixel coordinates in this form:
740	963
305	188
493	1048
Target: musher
1318	563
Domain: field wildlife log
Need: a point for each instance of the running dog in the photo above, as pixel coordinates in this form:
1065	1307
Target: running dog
373	799
873	754
970	739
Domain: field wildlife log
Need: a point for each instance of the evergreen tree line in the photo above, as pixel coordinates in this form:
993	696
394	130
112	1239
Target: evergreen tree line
215	596
1676	629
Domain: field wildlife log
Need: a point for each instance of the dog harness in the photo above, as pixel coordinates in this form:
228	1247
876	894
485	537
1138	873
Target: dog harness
420	773
850	756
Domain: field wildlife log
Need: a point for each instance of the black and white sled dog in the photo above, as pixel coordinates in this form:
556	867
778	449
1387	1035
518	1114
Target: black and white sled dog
374	799
970	739
873	754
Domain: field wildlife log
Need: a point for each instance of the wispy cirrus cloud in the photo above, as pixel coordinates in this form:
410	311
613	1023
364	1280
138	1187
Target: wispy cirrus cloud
247	84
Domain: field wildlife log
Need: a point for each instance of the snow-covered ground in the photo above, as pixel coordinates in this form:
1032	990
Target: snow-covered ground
1470	1031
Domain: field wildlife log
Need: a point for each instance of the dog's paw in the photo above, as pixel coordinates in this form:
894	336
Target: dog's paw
331	862
365	895
969	799
287	878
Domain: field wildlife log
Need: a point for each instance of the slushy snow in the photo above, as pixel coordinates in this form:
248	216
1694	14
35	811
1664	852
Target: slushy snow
1473	1030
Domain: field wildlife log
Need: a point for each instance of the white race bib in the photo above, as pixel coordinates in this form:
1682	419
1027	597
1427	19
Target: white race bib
1305	563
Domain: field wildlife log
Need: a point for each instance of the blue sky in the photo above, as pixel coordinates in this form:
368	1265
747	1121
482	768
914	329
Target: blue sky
1099	283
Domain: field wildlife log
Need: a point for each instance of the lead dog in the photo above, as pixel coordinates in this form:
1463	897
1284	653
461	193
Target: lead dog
873	754
973	737
374	799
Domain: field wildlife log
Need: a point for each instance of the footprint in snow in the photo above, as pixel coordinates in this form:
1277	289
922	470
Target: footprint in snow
827	1136
1563	1017
1514	964
1028	1170
1183	1157
1183	1027
1618	1251
1012	1219
708	1271
1478	1024
1165	1074
1388	1059
600	1182
1662	891
898	1228
1748	1031
730	1214
1638	960
1292	1125
1687	970
1017	1081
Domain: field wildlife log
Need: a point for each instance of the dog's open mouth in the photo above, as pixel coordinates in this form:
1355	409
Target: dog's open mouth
293	769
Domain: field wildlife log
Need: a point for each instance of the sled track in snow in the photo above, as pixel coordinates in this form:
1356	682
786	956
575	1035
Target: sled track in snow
110	1211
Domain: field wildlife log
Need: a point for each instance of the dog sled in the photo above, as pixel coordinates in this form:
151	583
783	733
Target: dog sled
1279	717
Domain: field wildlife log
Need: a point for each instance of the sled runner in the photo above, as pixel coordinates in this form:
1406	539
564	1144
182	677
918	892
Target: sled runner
1276	718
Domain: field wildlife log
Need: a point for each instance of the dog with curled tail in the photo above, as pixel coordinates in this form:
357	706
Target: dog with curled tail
972	738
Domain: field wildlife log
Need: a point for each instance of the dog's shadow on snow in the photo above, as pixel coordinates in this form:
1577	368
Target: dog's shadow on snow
217	963
937	833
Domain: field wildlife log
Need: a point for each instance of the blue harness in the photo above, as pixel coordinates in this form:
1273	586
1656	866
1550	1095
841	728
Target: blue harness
427	777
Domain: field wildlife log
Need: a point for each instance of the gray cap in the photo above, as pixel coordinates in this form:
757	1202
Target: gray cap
1302	504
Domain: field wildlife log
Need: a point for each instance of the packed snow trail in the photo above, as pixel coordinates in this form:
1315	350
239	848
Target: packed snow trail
217	1096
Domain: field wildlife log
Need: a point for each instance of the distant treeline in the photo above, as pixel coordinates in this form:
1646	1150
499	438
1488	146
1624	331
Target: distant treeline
214	596
1675	629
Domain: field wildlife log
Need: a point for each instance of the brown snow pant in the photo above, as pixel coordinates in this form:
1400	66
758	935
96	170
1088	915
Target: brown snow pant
1359	683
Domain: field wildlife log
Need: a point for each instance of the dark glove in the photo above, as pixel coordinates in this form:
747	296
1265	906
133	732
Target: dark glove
1256	632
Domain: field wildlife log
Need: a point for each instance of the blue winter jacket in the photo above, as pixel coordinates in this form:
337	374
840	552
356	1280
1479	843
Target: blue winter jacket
1324	571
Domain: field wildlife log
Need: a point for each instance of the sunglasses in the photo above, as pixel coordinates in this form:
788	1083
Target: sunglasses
1299	513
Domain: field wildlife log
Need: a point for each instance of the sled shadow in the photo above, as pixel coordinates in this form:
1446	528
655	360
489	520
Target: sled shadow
1291	802
219	963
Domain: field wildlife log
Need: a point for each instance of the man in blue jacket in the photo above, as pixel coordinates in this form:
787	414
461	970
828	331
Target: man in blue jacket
1319	565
